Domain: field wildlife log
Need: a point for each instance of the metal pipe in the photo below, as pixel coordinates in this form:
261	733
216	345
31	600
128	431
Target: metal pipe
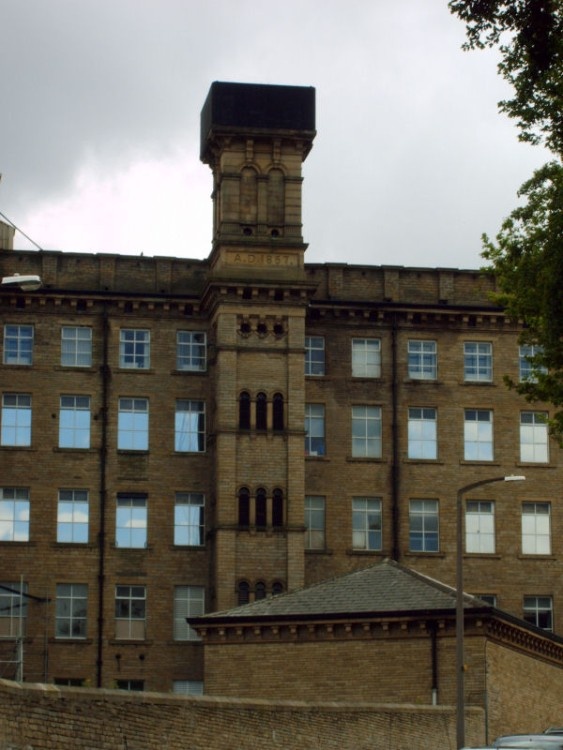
434	642
103	496
395	443
19	677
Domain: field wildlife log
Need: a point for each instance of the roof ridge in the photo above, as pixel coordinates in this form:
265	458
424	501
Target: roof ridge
341	581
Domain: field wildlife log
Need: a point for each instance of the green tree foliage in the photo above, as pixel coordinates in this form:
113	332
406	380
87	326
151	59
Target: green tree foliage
527	260
527	255
529	35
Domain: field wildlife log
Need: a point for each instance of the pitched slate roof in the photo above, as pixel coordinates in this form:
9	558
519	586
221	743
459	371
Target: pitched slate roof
380	589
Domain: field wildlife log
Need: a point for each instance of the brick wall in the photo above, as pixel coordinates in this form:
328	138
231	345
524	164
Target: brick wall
531	708
397	671
520	690
39	716
392	664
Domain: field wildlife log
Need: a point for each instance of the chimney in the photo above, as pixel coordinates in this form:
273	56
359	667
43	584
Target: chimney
6	236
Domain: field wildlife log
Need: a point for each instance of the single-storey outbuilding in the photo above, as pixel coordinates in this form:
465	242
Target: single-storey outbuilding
385	634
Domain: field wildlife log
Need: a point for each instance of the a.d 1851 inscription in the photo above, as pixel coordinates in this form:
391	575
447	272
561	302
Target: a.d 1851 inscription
283	260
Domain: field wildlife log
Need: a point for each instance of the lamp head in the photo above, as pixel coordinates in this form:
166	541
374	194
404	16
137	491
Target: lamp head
28	283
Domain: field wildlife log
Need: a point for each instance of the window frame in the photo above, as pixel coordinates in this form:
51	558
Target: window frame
189	528
17	434
260	591
74	421
133	424
195	435
315	522
422	433
533	611
428	513
490	599
130	612
261	509
475	439
261	411
532	536
69	681
365	512
18	347
71	609
14	514
243	508
315	425
278	412
534	437
478	364
526	370
422	359
278	510
130	686
480	527
13	609
315	356
366	357
244	410
79	347
243	593
366	431
189	601
134	348
131	520
187	687
191	354
77	500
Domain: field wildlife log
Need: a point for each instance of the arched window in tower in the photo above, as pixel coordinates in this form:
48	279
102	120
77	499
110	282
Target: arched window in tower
276	198
248	196
261	412
244	507
277	508
261	509
244	411
277	588
243	592
260	590
278	412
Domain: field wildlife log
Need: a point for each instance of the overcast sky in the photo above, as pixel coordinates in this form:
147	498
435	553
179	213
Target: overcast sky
99	132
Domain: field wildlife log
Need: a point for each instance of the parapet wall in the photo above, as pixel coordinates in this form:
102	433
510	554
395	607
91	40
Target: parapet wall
46	717
105	273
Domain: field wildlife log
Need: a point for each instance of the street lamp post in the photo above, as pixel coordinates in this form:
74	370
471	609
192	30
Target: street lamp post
459	618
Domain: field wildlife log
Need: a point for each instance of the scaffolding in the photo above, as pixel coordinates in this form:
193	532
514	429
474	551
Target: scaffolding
19	651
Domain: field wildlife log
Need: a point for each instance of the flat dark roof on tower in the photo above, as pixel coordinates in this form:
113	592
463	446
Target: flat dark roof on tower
234	107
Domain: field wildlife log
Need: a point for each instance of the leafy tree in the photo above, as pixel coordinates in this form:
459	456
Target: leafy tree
527	256
529	35
527	260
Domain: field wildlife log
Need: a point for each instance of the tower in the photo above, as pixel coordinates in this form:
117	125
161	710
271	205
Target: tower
255	138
